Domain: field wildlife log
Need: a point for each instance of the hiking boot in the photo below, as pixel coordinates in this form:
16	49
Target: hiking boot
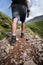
22	35
13	40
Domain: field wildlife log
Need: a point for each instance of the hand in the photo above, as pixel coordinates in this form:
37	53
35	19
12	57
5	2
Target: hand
28	14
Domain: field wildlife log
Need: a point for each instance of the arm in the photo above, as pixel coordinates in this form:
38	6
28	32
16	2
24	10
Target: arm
27	5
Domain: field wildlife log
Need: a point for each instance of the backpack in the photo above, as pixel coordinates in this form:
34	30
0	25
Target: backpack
19	1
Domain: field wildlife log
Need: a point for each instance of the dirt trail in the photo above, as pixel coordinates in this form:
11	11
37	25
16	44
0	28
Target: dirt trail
26	51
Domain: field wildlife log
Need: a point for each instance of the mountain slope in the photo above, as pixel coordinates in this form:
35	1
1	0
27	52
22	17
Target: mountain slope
35	27
5	22
22	52
37	18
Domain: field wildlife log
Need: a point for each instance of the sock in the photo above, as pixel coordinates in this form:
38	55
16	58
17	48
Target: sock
13	34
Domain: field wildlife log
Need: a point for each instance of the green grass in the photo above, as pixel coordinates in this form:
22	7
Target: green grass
35	27
5	24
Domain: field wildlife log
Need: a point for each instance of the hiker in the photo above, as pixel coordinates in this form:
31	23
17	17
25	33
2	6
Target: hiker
19	10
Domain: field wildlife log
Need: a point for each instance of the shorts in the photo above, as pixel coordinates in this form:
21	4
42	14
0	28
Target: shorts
19	11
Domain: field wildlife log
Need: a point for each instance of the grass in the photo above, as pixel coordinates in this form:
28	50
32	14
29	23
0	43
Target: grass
35	27
5	24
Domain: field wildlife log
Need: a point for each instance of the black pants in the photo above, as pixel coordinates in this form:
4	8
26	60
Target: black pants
19	11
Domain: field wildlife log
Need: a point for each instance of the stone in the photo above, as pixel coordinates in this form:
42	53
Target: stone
30	62
12	60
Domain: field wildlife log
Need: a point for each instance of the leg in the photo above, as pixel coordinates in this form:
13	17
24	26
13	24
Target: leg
14	25
22	29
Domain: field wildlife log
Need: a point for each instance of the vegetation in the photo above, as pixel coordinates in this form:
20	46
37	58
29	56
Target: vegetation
5	24
35	28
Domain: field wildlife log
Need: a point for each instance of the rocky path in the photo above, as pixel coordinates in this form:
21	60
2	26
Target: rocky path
26	51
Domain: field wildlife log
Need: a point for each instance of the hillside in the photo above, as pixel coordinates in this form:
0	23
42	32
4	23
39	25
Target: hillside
27	50
37	18
35	28
5	22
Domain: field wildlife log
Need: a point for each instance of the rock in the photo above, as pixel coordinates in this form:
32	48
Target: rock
24	55
12	60
26	51
41	58
7	50
21	61
30	62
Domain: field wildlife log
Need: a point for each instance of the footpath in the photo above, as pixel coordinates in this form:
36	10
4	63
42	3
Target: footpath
26	51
